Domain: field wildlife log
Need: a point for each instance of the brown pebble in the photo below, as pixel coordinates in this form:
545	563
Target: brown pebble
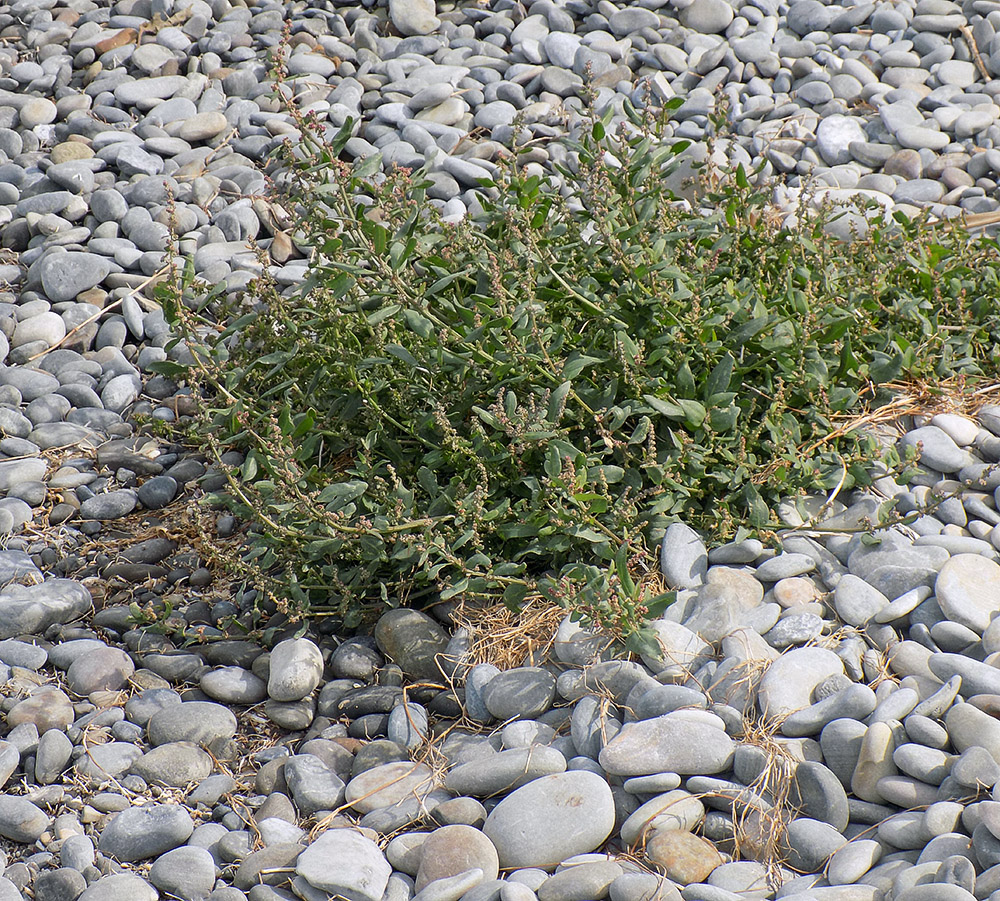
683	857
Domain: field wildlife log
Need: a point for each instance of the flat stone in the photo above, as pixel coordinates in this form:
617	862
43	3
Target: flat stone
20	820
938	450
46	709
201	722
202	127
65	275
176	764
31	609
109	505
683	857
811	843
856	601
682	650
120	887
550	819
345	863
849	863
388	784
977	677
104	762
143	832
671	743
788	684
506	770
234	685
674	809
968	590
683	555
452	850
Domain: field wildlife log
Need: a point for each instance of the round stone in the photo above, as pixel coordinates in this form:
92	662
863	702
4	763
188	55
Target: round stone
106	669
552	818
234	685
524	692
413	640
176	764
344	863
684	857
143	832
968	590
451	850
673	743
187	873
707	16
201	722
38	111
296	667
788	684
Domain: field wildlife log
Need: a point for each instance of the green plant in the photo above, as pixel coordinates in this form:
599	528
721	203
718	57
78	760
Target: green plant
489	408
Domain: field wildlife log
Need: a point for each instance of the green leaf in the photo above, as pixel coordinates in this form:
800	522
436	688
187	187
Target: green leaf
368	166
722	419
514	595
664	407
553	463
401	353
694	412
489	418
557	402
386	312
749	329
343	492
419	323
576	363
885	368
720	378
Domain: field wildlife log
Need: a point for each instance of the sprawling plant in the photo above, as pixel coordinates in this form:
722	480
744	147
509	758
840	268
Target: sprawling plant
519	403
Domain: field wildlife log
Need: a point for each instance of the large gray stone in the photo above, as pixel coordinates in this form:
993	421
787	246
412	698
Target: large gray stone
200	722
788	684
414	641
31	609
968	590
345	863
683	557
64	275
296	667
673	743
139	833
20	820
552	818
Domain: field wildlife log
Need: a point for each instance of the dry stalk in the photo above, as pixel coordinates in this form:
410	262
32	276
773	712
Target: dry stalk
505	637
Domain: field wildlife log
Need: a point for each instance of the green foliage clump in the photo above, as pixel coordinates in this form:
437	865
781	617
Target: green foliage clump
521	403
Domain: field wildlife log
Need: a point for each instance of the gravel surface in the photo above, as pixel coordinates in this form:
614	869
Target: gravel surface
822	721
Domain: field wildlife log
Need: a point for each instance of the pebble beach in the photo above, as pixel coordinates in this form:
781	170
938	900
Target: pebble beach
822	719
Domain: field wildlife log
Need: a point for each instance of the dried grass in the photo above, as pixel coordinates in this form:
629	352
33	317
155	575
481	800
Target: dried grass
506	637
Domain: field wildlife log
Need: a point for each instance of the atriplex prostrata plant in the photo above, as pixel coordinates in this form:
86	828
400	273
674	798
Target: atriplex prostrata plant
521	403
